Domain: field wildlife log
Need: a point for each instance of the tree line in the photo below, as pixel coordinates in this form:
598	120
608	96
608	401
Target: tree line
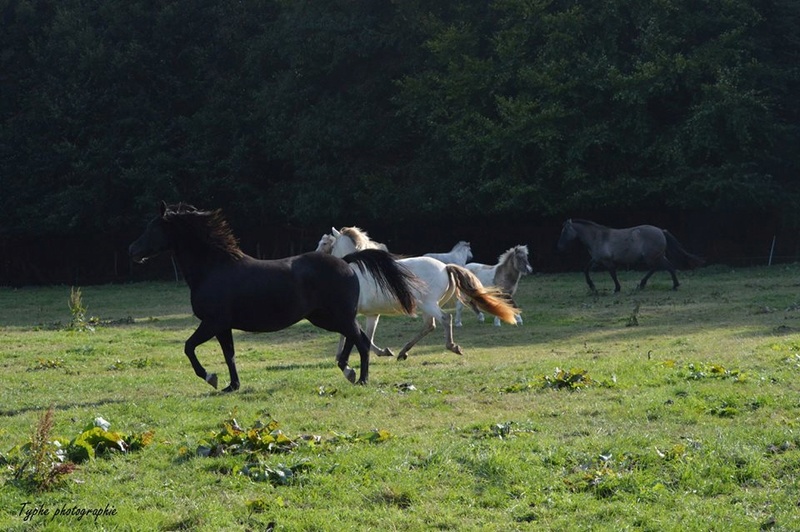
308	112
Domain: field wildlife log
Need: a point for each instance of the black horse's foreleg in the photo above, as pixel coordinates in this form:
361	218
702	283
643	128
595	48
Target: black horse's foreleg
225	339
202	334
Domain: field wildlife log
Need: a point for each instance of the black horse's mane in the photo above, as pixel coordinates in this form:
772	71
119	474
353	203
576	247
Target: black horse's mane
585	222
209	227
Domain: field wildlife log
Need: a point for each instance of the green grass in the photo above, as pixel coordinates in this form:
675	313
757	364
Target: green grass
688	417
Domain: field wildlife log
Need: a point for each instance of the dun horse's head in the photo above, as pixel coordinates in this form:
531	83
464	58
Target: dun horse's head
521	262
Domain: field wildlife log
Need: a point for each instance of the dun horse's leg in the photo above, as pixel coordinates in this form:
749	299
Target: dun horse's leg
225	340
202	334
428	324
589	279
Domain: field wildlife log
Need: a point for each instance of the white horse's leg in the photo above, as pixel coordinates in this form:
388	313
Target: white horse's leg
496	321
459	308
372	324
428	324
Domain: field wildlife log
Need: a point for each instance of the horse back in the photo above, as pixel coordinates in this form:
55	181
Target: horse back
269	295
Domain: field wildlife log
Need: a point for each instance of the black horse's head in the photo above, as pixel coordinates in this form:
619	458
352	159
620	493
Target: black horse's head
568	234
156	237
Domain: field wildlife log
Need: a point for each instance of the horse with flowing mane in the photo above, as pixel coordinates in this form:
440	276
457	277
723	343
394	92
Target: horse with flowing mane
460	254
511	265
608	247
231	290
440	282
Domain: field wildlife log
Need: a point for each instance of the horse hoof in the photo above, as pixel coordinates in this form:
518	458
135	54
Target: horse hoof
350	374
361	382
230	388
385	353
212	380
402	356
455	349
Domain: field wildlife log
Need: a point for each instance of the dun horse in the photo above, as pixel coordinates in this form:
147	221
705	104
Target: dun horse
505	275
608	247
231	290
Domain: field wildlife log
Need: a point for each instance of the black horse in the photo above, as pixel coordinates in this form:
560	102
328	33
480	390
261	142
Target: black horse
231	290
608	247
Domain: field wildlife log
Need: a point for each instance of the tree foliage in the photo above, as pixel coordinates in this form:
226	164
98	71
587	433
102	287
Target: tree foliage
307	112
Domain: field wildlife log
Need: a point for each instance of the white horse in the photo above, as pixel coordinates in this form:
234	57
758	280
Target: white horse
440	282
460	254
505	275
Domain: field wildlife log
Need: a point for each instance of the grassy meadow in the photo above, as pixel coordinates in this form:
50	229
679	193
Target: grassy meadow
651	410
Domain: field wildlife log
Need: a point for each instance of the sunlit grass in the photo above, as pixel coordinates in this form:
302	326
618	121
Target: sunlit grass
689	417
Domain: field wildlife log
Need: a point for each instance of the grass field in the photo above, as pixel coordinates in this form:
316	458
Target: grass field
645	410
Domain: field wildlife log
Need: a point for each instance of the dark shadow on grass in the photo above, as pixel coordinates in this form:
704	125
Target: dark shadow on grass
94	404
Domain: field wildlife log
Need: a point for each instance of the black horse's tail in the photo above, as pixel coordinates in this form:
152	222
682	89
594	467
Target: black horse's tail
390	275
678	256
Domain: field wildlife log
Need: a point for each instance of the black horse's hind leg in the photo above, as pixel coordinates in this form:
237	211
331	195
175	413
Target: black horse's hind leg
359	339
667	265
663	264
225	339
363	345
343	358
589	279
613	272
202	334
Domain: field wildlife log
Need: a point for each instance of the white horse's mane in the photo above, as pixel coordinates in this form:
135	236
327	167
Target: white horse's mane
360	238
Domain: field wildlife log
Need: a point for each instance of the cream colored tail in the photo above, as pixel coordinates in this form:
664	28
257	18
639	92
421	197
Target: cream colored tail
471	292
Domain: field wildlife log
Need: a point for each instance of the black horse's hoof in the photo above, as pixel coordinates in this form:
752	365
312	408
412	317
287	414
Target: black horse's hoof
361	382
402	356
350	374
212	380
231	388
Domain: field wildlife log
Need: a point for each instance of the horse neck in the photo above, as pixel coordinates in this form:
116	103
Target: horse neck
196	261
507	273
343	246
587	233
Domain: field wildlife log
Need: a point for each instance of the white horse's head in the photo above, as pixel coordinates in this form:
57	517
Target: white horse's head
325	244
464	248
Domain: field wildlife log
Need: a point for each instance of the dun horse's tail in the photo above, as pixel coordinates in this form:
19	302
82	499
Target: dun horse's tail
390	275
678	256
488	299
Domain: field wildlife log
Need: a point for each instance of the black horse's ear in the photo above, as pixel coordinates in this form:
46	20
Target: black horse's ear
162	208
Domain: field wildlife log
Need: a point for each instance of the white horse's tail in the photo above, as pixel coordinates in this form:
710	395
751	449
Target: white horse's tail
471	291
